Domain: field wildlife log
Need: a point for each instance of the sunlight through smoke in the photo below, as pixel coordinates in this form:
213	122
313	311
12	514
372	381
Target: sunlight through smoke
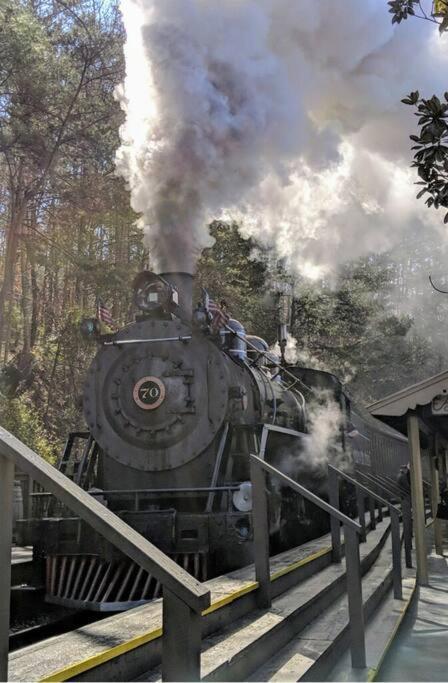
284	115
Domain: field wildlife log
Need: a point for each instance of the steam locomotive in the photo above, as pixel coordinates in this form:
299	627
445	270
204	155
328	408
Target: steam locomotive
174	404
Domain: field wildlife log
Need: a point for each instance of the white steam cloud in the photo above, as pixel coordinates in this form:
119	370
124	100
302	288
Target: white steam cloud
307	461
285	115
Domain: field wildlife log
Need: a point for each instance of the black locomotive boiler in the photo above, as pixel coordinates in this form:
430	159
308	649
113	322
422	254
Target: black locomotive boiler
174	403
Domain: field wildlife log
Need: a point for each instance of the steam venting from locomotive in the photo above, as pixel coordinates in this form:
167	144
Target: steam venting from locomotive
307	461
283	115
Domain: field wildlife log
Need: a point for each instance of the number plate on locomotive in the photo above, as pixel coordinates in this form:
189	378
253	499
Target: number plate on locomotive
149	393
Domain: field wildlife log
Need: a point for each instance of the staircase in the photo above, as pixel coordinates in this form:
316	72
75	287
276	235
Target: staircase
299	635
306	608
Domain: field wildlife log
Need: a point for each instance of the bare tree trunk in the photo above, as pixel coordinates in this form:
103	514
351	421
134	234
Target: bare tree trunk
34	325
25	300
17	213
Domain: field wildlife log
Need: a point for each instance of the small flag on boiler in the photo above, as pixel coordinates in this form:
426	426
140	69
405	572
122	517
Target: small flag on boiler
219	314
105	317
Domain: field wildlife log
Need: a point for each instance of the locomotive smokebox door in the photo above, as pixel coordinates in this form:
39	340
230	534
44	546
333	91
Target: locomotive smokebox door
146	397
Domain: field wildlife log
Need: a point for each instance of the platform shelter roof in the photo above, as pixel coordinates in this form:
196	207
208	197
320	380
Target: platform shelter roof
428	398
421	412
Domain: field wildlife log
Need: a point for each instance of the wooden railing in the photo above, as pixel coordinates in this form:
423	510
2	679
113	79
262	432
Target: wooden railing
393	492
184	598
334	475
352	531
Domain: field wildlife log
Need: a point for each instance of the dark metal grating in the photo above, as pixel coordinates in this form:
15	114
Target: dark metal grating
90	582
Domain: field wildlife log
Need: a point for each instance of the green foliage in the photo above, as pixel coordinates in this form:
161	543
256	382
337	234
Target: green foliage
431	144
402	9
21	417
236	270
59	65
353	330
54	65
431	148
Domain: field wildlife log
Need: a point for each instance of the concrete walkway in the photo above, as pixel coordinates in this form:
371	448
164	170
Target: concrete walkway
420	650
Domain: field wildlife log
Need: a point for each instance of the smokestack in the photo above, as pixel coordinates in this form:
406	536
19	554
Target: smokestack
183	282
284	288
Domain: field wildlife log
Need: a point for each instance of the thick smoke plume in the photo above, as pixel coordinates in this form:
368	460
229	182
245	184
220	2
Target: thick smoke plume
284	115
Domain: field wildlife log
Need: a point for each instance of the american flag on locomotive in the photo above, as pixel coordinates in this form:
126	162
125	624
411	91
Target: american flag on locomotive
104	314
218	313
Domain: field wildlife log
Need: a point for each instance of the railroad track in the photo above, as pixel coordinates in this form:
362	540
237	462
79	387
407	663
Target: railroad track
62	623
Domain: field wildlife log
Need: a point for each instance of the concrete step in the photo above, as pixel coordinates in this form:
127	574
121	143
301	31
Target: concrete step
381	630
233	653
311	656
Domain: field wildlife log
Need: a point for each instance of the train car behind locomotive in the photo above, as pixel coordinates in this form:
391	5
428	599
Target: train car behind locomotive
174	404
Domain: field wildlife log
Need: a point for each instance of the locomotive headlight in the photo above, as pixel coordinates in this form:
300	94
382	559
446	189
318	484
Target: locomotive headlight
242	498
154	293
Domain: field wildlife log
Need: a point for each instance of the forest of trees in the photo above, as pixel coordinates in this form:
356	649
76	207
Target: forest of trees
68	235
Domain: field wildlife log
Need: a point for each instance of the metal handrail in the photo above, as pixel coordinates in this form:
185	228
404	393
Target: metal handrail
427	491
406	512
129	492
184	598
258	470
393	485
280	430
394	513
368	491
306	493
389	488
